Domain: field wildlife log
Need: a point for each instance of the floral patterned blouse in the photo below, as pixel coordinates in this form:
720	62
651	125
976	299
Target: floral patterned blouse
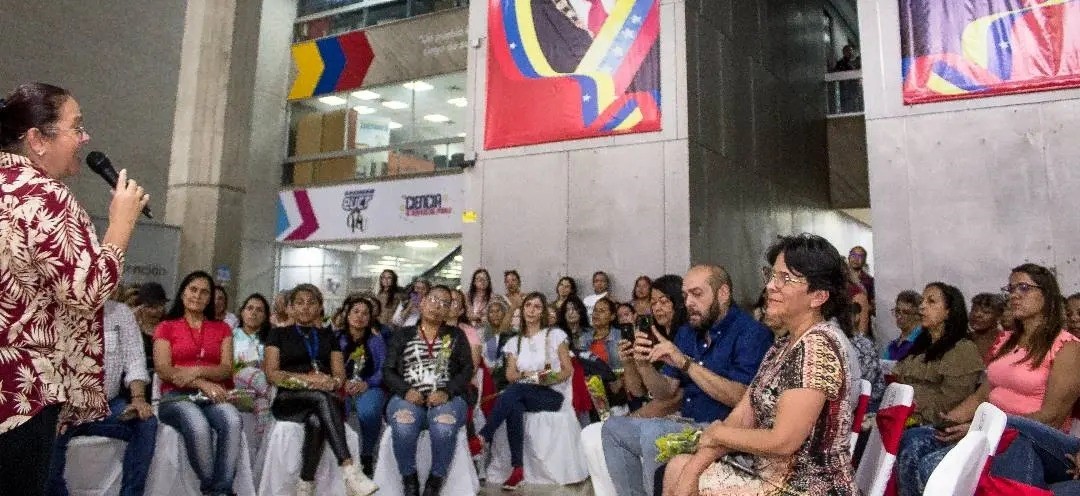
822	465
54	280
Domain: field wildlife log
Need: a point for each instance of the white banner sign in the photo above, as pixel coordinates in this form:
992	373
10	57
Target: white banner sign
389	209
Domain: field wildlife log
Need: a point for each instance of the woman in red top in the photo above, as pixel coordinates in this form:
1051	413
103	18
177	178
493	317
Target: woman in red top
54	280
194	358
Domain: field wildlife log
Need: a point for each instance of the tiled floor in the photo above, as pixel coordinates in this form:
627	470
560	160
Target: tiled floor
583	489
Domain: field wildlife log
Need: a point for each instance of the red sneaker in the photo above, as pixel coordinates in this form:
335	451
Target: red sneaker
516	477
476	445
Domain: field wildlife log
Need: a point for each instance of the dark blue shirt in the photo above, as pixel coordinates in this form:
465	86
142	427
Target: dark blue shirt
738	343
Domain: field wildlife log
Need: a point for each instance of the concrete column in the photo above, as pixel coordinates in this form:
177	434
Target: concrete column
211	132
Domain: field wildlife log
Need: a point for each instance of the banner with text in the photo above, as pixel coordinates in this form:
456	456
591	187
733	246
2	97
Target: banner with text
569	69
956	49
388	209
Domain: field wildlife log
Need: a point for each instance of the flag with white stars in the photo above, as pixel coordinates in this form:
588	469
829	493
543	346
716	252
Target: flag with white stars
956	49
549	79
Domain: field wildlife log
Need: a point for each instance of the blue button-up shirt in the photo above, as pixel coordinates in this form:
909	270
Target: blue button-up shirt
734	351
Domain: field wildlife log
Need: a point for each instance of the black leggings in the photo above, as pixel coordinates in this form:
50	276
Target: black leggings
26	449
320	412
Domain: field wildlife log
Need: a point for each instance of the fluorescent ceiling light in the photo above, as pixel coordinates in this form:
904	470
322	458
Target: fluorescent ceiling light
457	258
458	102
461	135
369	247
418	86
366	95
394	104
364	110
393	125
436	118
421	243
332	100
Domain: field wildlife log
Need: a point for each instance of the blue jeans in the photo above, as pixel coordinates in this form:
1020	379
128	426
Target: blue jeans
630	451
140	436
369	410
1037	455
511	406
920	453
199	424
407	420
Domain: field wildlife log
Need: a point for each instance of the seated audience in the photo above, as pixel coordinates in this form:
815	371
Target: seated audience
427	372
480	295
571	317
668	314
1072	314
306	364
408	311
943	366
712	359
602	340
248	344
794	421
983	326
193	354
1031	377
565	288
388	295
866	354
641	299
906	314
364	352
131	421
538	369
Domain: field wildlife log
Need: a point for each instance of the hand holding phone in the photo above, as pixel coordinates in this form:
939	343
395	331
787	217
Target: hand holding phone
645	324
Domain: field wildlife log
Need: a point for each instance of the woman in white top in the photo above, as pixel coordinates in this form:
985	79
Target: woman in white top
248	357
538	368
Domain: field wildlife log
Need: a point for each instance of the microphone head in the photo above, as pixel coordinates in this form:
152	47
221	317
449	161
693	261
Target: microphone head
98	162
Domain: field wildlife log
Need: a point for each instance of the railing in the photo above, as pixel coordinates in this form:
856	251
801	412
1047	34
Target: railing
328	17
843	93
421	157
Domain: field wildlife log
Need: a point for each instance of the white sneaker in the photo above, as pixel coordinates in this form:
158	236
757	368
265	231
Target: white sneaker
356	483
305	488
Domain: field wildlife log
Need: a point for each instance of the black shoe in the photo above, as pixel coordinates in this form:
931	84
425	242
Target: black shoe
368	463
410	485
433	486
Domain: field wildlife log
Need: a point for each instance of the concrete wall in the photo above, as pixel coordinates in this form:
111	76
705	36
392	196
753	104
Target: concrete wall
758	162
964	191
618	204
121	60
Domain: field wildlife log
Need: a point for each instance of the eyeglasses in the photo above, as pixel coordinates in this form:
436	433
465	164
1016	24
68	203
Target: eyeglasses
440	302
782	278
1023	287
79	130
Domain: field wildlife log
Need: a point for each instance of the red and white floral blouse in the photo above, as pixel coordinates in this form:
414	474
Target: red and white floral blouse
54	280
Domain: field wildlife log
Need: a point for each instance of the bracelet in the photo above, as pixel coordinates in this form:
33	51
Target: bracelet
686	365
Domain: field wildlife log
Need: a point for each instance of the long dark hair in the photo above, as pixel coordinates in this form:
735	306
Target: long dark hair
351	343
560	313
956	326
816	260
176	311
633	292
393	292
671	286
29	106
544	323
1042	339
573	286
264	328
473	289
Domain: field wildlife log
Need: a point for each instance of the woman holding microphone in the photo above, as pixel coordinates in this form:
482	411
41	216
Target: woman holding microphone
54	279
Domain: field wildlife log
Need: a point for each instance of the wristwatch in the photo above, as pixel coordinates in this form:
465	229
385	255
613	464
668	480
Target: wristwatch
686	365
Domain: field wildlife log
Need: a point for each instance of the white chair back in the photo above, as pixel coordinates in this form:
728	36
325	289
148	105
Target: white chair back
865	389
876	464
958	473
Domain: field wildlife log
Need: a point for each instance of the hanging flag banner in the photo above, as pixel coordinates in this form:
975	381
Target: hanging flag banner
955	49
570	69
385	209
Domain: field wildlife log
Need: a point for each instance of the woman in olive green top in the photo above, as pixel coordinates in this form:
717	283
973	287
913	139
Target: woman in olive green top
943	366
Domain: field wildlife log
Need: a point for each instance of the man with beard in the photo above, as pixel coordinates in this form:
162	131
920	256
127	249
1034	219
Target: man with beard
712	359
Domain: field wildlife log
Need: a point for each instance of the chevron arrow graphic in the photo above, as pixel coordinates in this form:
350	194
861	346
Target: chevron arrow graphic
308	222
358	58
309	68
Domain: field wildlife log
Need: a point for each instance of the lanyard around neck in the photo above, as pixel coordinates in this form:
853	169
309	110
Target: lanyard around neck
311	343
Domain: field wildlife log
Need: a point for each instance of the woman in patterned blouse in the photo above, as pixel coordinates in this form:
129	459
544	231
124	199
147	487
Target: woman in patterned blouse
427	371
54	280
795	418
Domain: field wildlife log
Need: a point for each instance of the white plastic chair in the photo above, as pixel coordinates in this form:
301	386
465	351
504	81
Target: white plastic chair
593	449
281	459
552	451
860	413
876	464
171	473
958	473
460	479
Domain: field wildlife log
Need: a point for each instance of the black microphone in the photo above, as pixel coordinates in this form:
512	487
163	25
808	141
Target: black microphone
101	164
